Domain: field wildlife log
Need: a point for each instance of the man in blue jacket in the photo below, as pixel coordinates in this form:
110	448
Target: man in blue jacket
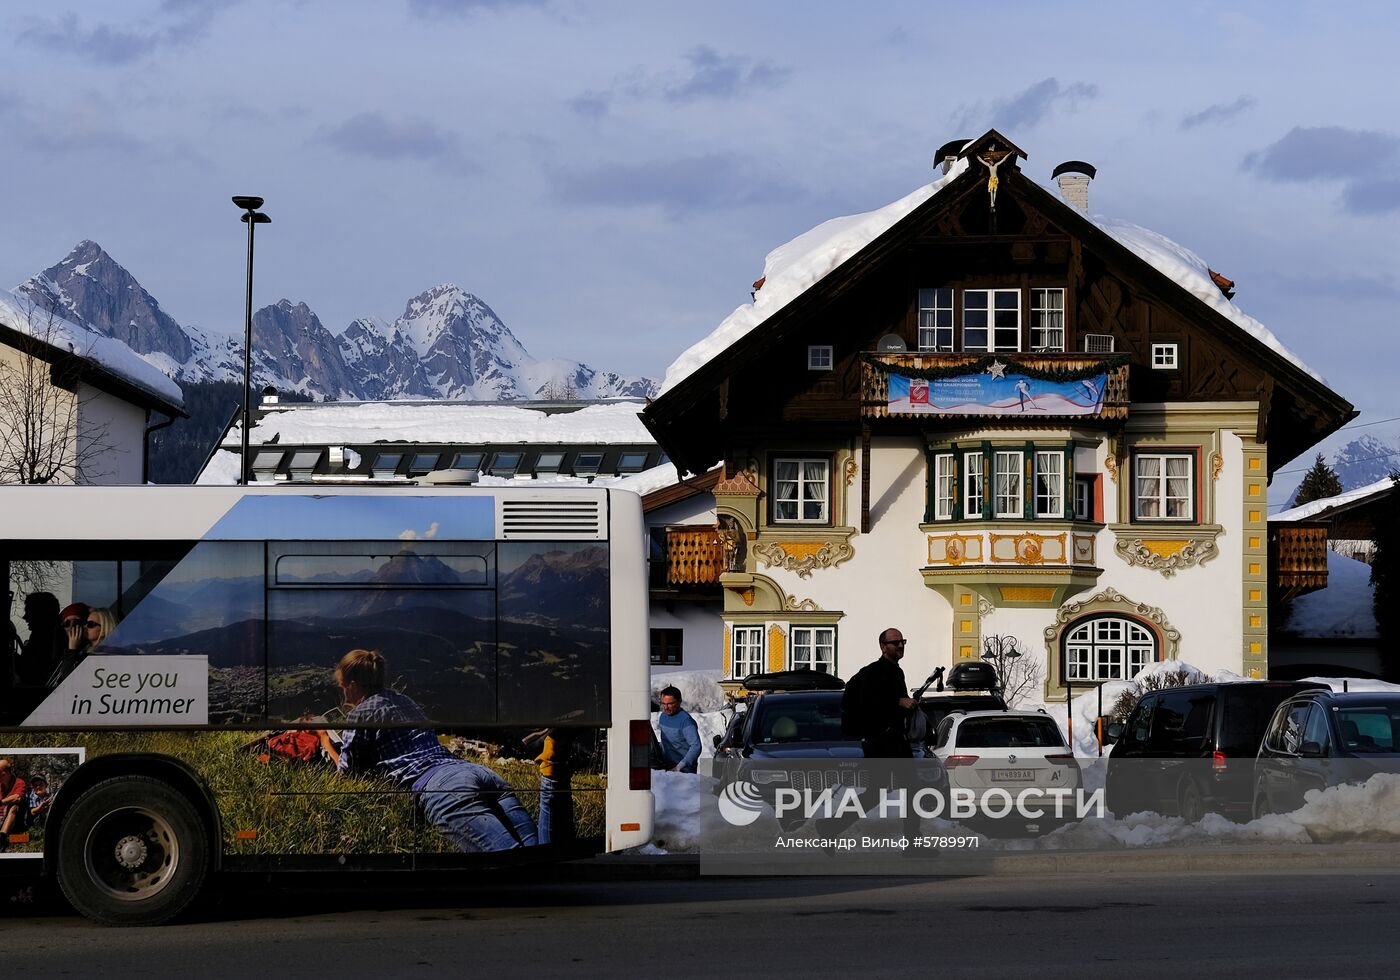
680	736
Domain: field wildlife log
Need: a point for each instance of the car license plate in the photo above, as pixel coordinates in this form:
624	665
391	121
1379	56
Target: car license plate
1012	775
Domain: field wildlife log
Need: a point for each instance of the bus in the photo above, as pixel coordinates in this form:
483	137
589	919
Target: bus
205	679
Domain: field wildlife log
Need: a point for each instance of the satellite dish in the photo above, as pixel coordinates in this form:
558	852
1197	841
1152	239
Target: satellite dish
891	343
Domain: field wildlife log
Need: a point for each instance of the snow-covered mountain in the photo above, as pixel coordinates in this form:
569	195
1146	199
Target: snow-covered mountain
1365	460
447	344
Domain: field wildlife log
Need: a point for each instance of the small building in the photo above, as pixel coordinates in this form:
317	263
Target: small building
411	443
982	414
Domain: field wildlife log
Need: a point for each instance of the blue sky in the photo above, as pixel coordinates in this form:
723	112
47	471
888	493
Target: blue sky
609	176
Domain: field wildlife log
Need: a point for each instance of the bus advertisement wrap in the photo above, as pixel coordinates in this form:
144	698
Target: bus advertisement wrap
115	691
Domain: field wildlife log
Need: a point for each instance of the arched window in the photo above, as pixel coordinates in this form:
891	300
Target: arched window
1105	648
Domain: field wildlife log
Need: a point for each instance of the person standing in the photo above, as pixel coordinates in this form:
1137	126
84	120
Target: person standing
882	703
680	736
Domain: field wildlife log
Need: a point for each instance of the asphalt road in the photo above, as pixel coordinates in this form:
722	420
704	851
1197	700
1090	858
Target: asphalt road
1080	925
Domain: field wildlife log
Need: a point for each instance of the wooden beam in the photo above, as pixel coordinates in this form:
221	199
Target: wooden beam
865	478
1266	397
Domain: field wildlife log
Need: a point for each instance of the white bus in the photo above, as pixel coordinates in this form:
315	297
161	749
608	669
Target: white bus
205	679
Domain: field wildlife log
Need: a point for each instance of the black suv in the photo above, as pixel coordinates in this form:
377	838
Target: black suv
1190	750
1321	739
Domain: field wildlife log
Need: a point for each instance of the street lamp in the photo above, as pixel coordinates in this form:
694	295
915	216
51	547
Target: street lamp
999	651
251	216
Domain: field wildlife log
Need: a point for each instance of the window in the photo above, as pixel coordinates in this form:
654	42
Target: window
936	319
505	464
1049	484
466	461
632	462
1006	484
748	650
549	462
1164	357
1084	498
1162	486
974	495
992	320
800	490
1107	648
1047	319
424	462
386	463
586	464
814	648
666	647
819	357
945	483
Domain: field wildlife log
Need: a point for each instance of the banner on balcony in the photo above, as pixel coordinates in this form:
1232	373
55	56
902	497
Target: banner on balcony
995	393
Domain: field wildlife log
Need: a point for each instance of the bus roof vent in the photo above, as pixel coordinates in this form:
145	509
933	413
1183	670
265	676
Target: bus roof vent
576	519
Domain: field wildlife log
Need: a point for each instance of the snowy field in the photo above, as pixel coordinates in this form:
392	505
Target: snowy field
1363	813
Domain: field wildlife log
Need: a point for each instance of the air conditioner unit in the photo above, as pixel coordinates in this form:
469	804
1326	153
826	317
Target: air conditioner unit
1098	343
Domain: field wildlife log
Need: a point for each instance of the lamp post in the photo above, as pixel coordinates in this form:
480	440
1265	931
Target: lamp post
251	216
999	651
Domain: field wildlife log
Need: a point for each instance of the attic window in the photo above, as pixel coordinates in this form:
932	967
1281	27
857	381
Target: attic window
505	464
819	357
385	464
586	464
466	461
549	462
1164	357
632	462
424	463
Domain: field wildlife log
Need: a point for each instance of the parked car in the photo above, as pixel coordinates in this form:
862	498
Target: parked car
971	686
1321	739
1190	751
1011	751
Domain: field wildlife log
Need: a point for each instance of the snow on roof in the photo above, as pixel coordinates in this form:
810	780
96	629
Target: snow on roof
1346	608
221	470
1314	507
792	269
1189	271
608	423
21	314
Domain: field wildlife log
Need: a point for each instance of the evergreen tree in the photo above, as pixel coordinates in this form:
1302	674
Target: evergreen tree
1318	483
1385	573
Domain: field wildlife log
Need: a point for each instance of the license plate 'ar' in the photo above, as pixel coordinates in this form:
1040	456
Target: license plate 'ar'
1012	775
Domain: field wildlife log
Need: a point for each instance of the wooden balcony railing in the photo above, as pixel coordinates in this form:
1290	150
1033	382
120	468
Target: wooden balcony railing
694	556
877	367
1298	557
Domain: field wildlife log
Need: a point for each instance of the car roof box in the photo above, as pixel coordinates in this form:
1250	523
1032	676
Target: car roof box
793	680
972	676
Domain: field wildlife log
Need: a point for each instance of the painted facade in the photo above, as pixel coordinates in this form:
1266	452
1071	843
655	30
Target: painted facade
994	422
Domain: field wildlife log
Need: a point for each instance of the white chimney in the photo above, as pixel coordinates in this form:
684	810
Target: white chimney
1073	176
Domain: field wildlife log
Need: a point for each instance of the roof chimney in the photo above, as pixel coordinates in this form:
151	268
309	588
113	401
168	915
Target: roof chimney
947	154
1073	176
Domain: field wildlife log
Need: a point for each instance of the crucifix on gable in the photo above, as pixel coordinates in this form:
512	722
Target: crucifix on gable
993	160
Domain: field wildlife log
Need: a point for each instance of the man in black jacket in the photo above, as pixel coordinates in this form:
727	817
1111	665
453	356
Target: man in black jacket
882	701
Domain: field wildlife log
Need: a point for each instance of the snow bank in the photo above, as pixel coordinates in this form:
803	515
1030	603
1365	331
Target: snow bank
679	796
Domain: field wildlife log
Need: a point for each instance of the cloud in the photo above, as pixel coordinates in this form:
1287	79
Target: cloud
457	8
1218	113
1320	152
717	76
707	75
1372	196
409	534
1026	109
177	23
373	135
678	186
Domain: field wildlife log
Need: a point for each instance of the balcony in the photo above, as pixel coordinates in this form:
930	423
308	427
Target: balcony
1070	394
686	557
1297	557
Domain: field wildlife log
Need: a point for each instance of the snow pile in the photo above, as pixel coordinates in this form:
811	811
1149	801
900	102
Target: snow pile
700	690
679	796
791	269
20	314
1346	608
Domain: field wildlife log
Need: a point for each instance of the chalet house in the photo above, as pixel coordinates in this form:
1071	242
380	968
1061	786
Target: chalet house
408	443
77	405
981	413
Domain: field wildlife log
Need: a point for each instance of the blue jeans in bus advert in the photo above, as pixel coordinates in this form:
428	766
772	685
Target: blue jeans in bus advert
474	807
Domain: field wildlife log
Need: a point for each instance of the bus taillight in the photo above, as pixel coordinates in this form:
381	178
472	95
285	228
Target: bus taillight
639	763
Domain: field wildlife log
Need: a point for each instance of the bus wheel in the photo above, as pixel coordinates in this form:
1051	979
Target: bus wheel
132	851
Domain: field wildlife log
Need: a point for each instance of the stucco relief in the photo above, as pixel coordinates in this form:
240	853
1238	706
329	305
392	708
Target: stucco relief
803	556
1166	556
1111	600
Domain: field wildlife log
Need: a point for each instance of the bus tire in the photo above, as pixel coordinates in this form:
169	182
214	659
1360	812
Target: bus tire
132	851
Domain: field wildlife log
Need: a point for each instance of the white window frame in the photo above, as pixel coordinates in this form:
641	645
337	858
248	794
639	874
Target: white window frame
746	648
813	648
820	357
1164	357
802	485
936	330
1014	492
1108	648
1047	321
1152	487
945	485
995	332
974	485
1050	463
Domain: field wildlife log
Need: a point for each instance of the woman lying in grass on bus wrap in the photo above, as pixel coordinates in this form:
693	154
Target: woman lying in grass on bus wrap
468	803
